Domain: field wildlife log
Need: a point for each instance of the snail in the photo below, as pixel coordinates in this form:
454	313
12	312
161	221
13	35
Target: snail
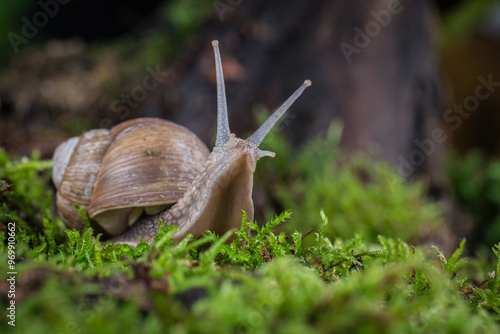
148	169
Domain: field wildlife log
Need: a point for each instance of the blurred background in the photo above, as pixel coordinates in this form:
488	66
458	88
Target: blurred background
412	85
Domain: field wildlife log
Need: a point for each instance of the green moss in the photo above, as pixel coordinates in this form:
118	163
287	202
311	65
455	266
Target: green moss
475	183
360	196
259	279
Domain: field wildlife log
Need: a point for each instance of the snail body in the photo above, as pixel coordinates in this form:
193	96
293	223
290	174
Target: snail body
147	169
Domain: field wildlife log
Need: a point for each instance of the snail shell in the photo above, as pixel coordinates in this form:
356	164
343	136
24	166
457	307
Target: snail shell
144	164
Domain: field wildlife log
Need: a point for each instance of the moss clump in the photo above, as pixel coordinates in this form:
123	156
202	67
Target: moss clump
475	182
360	196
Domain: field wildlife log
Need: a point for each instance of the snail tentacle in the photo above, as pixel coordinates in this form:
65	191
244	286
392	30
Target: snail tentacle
259	135
223	131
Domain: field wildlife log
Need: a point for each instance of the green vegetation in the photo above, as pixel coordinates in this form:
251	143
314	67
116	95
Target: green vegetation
181	17
359	196
258	279
10	22
476	185
460	22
